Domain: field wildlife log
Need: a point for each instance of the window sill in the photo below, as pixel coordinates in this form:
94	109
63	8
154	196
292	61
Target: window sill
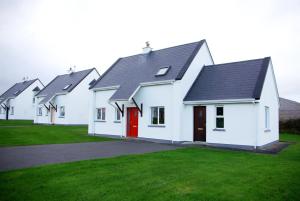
267	130
219	129
159	126
99	121
117	122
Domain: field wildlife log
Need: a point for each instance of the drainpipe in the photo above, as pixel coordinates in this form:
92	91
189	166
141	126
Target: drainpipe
257	121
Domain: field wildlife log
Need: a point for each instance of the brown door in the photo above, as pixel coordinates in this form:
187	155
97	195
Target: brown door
200	123
132	122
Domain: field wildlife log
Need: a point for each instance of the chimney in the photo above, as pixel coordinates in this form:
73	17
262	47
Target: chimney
147	49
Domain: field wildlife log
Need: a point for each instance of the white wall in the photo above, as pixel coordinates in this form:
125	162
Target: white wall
23	103
43	119
108	127
77	107
269	98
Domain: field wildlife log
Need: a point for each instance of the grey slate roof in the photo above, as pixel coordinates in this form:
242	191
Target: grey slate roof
238	80
16	89
59	82
129	72
288	109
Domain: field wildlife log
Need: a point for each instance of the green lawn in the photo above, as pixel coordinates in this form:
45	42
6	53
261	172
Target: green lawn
15	122
184	174
27	134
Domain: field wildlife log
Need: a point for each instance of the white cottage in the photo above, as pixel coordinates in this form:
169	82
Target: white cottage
177	94
18	101
65	99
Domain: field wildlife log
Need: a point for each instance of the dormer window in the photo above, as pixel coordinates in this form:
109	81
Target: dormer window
163	71
67	86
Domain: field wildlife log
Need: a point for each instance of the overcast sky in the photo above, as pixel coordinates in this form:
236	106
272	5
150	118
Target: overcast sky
44	38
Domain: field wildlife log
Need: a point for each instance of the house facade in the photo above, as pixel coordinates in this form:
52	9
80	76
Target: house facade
18	101
177	94
65	99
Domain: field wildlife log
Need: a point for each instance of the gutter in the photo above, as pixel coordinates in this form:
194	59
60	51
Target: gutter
220	101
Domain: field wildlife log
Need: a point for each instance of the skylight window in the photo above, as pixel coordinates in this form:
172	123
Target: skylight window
163	71
16	92
67	86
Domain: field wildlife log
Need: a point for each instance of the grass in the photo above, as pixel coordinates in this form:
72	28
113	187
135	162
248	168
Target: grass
183	174
27	134
16	122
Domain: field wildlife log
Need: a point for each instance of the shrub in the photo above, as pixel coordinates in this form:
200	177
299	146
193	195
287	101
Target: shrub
291	126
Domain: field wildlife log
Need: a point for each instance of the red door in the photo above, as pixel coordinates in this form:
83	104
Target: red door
132	122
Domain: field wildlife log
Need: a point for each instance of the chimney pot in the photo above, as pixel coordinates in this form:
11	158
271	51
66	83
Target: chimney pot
147	49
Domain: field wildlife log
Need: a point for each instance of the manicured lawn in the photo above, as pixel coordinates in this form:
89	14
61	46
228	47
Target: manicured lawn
15	122
183	174
42	134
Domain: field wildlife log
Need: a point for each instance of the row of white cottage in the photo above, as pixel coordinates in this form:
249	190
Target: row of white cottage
174	94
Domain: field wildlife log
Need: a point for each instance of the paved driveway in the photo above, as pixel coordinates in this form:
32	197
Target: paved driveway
29	156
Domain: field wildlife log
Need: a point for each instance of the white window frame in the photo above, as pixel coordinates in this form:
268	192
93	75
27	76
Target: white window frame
158	116
60	111
267	118
219	116
117	111
102	111
12	110
39	111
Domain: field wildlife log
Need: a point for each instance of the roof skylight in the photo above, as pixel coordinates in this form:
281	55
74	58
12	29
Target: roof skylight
67	86
163	71
16	92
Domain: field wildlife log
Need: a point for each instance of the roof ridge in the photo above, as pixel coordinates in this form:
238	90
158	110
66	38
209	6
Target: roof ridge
189	60
101	76
242	61
261	78
77	71
90	70
201	41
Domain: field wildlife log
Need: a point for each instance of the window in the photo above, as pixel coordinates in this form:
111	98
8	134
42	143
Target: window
40	111
162	71
33	100
267	117
157	115
118	115
12	110
0	110
101	114
62	111
47	112
67	86
219	117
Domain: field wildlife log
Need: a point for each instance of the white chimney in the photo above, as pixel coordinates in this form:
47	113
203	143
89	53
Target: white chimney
147	49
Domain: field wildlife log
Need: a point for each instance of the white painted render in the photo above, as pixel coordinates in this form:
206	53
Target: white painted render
23	104
76	105
269	98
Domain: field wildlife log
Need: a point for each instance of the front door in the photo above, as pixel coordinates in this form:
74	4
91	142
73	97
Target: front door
132	122
200	123
52	113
